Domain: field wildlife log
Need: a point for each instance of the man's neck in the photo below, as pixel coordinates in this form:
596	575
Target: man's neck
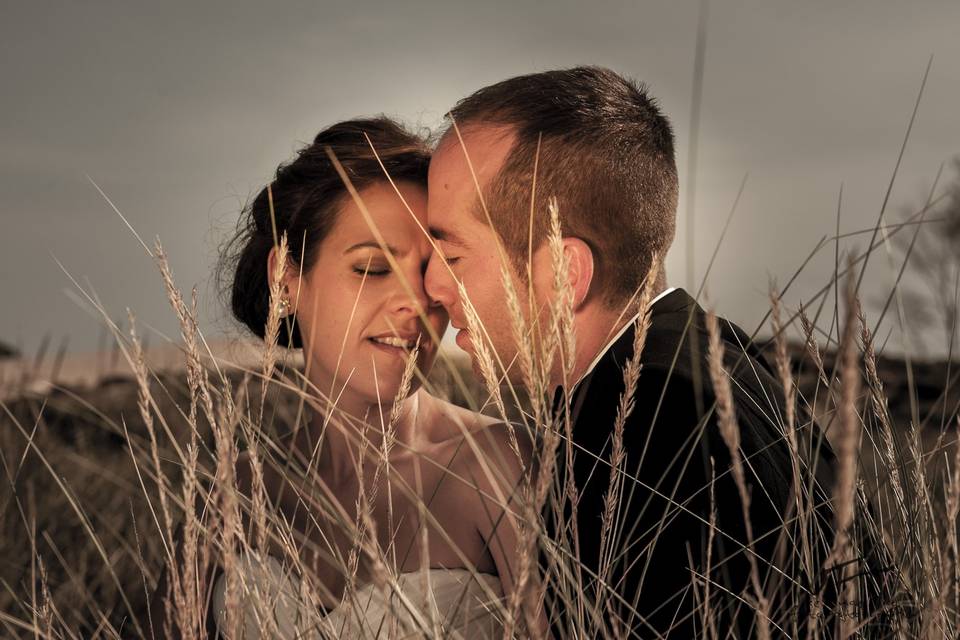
595	335
591	331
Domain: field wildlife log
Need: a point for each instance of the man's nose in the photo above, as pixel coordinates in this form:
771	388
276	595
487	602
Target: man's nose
437	282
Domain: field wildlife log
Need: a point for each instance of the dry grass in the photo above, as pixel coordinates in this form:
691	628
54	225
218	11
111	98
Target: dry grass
106	487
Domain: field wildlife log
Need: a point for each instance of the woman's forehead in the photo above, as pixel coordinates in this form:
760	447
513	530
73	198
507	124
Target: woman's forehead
397	221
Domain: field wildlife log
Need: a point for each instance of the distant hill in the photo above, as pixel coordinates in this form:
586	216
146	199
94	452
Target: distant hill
7	351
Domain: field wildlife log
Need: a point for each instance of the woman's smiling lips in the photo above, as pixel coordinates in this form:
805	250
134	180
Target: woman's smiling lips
396	344
396	351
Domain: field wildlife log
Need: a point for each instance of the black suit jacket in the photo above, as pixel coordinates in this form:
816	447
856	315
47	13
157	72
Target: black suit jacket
673	449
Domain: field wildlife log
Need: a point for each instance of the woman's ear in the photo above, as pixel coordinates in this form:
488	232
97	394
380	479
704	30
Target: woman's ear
580	269
288	280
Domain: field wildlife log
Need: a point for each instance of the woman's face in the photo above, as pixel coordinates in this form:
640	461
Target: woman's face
358	316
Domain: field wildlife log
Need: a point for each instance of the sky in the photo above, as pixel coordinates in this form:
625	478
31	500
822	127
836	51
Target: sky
180	112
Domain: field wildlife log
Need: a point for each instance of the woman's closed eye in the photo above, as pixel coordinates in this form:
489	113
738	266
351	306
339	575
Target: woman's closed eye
371	270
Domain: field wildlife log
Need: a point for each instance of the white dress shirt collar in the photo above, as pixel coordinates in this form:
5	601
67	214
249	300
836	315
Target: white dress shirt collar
620	333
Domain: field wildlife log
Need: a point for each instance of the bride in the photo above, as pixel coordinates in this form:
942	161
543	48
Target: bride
441	531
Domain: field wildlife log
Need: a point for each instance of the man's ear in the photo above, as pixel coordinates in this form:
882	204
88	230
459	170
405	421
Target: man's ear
580	269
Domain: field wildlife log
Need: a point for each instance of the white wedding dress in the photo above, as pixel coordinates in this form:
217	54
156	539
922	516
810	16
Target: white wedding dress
451	603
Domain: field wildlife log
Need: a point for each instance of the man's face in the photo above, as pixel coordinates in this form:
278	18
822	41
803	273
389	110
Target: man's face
468	244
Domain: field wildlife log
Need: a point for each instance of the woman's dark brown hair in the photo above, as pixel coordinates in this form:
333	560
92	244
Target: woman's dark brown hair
308	195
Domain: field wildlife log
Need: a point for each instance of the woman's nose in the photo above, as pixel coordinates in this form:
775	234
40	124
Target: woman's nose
410	296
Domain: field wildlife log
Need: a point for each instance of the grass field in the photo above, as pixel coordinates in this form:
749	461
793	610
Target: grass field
85	532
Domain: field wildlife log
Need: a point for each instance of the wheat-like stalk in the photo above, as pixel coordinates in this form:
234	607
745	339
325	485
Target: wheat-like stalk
231	533
532	375
46	610
952	568
709	623
196	372
879	404
848	444
481	353
559	338
730	432
562	324
562	327
631	376
927	544
272	328
200	394
187	610
797	503
812	349
390	435
253	433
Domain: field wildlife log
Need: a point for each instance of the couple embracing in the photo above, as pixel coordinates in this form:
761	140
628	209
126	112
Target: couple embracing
631	510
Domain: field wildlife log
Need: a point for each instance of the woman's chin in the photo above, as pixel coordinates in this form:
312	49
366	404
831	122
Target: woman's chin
388	366
386	392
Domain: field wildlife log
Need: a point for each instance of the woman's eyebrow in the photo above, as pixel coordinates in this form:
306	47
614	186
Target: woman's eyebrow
371	244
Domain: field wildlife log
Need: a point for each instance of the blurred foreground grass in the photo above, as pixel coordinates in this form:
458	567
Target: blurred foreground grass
75	514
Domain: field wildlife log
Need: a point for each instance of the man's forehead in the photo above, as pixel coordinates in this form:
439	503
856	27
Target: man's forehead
485	147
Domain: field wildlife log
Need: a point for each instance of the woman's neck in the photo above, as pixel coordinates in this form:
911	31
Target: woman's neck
344	431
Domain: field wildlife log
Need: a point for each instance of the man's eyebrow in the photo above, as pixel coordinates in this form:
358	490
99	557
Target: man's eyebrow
371	244
446	236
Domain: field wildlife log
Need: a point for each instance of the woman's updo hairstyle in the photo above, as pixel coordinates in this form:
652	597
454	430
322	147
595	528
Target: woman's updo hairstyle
308	195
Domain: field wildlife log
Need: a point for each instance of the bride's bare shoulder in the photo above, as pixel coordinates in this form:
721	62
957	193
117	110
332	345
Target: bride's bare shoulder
454	419
494	439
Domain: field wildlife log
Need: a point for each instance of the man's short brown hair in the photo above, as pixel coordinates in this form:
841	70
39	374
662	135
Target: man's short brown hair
606	154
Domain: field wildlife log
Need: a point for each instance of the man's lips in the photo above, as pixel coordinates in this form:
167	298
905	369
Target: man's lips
462	339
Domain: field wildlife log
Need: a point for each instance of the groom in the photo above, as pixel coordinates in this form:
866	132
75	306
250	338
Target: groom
602	147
